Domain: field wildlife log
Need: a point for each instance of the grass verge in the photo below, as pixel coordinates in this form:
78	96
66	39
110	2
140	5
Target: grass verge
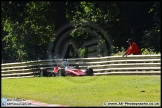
84	91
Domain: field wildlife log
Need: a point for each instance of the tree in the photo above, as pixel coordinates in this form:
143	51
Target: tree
152	36
28	34
28	27
91	20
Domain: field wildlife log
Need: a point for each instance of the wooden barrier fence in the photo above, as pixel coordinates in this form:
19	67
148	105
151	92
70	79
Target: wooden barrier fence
109	65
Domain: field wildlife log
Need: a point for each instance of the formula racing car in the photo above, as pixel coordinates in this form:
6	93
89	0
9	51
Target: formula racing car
72	71
64	69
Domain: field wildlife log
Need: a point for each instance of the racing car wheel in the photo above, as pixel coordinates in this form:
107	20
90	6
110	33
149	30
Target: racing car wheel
89	72
45	73
61	72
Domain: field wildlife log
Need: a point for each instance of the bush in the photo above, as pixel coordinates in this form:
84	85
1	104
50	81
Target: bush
119	52
148	51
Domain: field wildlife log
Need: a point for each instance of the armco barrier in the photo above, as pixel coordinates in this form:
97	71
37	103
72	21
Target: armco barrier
109	65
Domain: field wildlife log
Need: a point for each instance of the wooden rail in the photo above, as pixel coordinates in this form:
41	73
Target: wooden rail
109	65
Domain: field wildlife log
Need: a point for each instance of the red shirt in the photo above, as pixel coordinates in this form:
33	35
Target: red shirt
133	49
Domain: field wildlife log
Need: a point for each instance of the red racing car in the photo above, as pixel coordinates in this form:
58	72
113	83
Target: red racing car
72	71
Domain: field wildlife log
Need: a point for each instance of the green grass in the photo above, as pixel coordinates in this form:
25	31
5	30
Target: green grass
84	91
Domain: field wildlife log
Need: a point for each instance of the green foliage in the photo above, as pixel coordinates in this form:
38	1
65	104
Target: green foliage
152	39
118	52
149	51
152	36
82	52
28	27
32	28
89	14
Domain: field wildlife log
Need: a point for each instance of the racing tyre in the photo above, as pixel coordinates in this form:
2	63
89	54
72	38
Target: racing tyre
45	73
89	72
61	72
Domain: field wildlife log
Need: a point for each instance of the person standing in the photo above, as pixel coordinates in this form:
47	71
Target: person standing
133	48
